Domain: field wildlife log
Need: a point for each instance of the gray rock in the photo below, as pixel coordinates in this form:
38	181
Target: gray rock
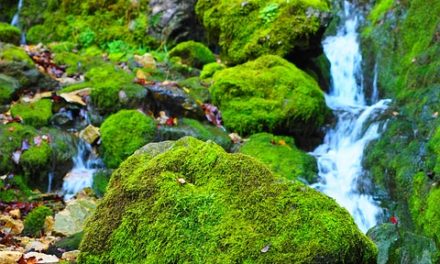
174	20
71	220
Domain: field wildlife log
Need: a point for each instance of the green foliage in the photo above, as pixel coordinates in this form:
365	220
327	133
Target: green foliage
193	54
9	34
380	9
210	69
34	221
71	242
230	208
268	94
93	22
123	133
281	155
246	30
35	114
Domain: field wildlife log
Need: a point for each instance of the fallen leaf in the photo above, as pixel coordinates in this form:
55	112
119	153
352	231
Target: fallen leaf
394	220
265	249
181	181
16	156
73	98
282	142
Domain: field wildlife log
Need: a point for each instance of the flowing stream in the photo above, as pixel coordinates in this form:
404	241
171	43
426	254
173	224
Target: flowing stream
340	156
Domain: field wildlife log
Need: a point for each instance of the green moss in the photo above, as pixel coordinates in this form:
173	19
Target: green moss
196	88
70	243
268	94
36	158
14	189
379	10
196	129
123	133
210	69
230	208
8	86
193	54
100	182
11	137
281	155
36	114
88	22
34	221
14	53
108	82
248	30
9	34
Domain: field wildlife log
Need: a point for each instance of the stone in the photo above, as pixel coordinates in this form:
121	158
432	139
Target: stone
173	99
176	20
15	227
71	220
16	214
36	246
42	258
70	256
90	134
147	61
49	223
10	257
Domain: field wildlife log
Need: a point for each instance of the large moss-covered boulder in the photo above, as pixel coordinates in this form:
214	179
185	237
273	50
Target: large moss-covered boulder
248	29
281	155
124	132
35	114
195	203
268	94
9	34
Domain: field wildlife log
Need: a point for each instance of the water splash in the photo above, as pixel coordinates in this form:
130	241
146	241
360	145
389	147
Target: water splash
340	156
85	164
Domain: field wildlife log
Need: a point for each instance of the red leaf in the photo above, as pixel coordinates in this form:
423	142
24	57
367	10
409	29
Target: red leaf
394	220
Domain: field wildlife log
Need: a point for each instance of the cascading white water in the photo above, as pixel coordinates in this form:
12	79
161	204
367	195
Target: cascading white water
16	19
85	164
340	156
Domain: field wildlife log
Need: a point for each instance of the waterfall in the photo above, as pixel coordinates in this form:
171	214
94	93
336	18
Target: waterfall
16	21
340	156
85	164
16	17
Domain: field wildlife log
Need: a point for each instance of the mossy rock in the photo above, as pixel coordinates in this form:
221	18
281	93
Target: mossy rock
11	137
8	86
123	133
196	129
281	155
9	34
11	53
195	203
36	158
14	189
34	221
113	89
193	54
210	69
250	29
35	114
268	94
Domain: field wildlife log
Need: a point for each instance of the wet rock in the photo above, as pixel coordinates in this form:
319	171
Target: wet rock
62	119
90	134
10	257
71	220
396	245
176	20
174	100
